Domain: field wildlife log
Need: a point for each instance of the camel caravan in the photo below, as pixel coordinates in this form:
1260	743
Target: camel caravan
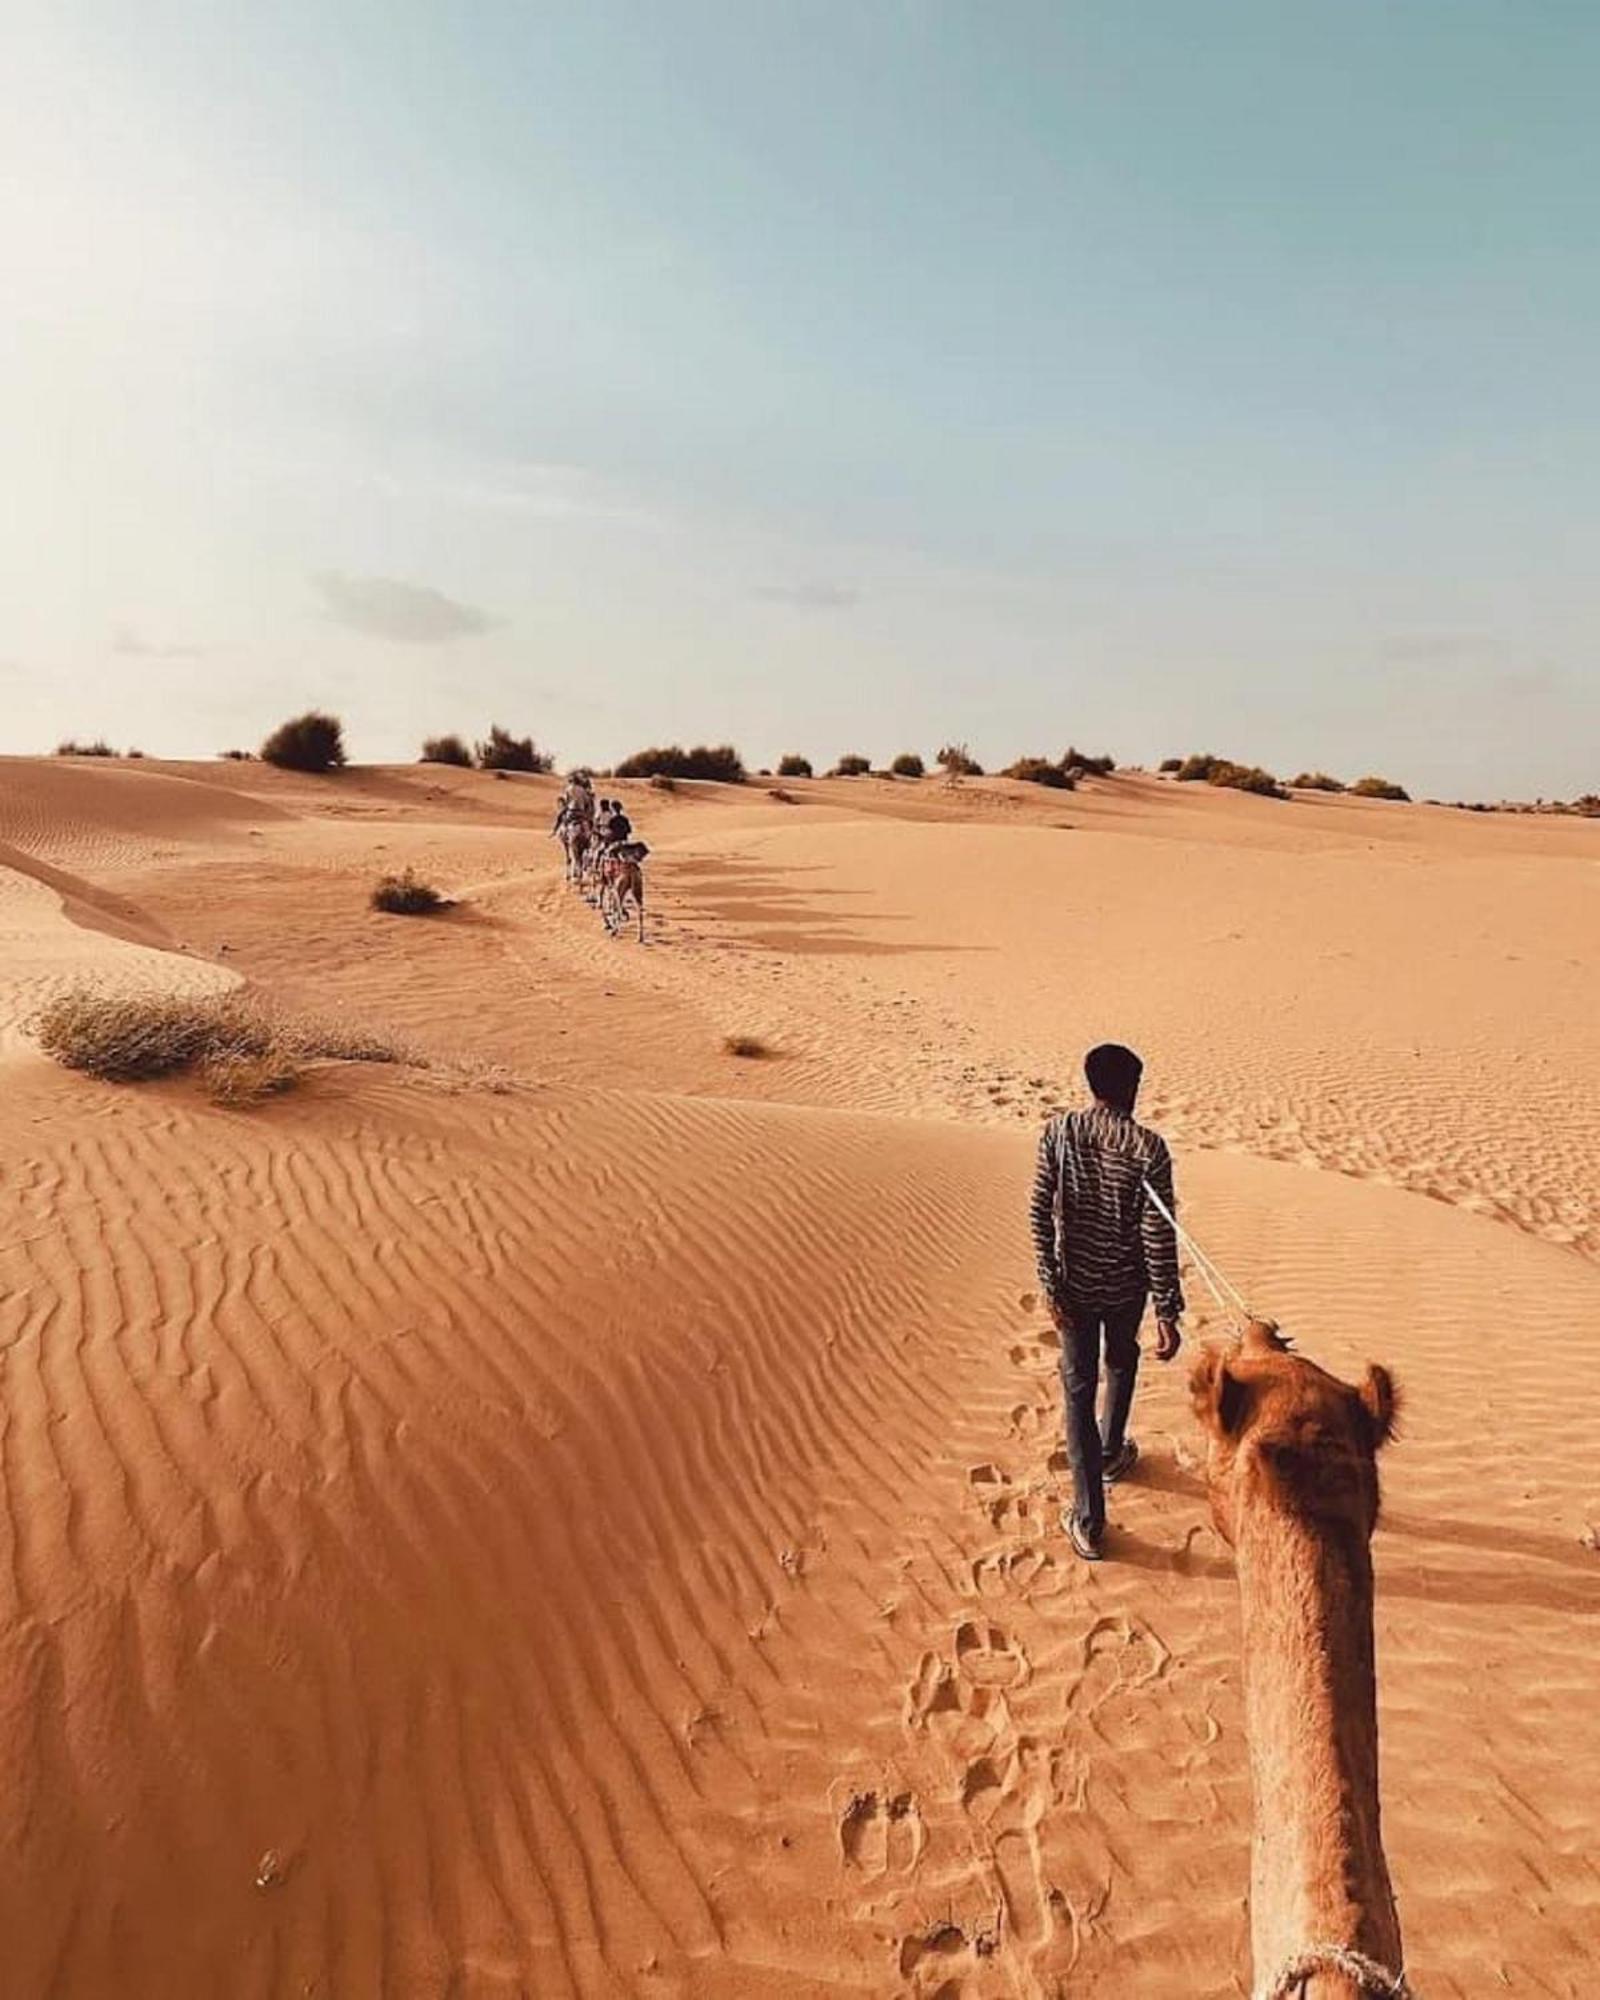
602	858
1291	1469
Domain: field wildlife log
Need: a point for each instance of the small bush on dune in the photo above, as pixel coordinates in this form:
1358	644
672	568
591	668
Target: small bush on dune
238	1081
956	761
309	742
718	764
238	756
1040	771
1079	764
1211	770
99	748
1249	778
1380	788
1316	781
131	1037
662	783
407	895
127	1037
1169	764
501	751
851	766
792	766
446	750
908	765
784	798
750	1047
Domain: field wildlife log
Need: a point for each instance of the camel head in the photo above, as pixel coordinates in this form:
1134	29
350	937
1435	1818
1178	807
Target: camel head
1284	1436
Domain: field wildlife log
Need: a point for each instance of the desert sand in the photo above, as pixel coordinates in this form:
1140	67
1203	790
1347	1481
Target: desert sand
579	1517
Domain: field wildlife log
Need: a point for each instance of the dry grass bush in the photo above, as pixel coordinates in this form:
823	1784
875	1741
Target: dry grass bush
309	742
238	756
792	766
851	766
407	895
238	1081
446	750
719	763
1170	764
1041	771
1079	764
784	798
98	748
750	1047
130	1037
1211	770
1316	781
1380	788
908	765
662	783
957	761
126	1037
501	751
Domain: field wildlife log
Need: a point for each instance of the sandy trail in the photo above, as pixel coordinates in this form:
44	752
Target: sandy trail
583	1520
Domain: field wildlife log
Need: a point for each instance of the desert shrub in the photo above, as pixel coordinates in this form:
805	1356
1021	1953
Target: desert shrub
791	766
98	748
309	742
1199	769
1170	764
908	765
407	895
1040	771
445	750
125	1037
1081	765
851	766
1380	788
1248	778
238	1081
784	798
136	754
501	751
1316	781
956	761
662	783
239	756
750	1047
718	763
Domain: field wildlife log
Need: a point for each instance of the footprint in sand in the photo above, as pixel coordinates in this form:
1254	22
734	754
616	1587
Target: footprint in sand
989	1657
881	1833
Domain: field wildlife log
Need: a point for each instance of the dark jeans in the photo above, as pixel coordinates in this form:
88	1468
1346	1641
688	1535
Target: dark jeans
1089	1443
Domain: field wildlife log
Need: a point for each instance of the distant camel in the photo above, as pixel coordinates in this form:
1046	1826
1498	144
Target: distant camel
622	882
577	837
1291	1466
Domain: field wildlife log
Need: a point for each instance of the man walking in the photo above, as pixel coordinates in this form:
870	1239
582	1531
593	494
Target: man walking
1103	1248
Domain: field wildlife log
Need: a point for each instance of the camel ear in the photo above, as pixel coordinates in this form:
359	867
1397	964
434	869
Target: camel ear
1221	1399
1380	1398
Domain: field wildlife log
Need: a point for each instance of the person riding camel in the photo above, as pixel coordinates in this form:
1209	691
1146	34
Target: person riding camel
576	802
615	825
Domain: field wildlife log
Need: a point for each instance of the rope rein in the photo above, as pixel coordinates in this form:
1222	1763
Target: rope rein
1234	1303
1368	1974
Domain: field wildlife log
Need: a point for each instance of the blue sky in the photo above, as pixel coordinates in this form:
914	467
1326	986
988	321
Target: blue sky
1158	376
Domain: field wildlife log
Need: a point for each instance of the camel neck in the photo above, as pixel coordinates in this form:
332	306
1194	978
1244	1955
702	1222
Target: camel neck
1318	1873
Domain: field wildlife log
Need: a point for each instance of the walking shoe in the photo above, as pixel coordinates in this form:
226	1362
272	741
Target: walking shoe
1121	1462
1087	1545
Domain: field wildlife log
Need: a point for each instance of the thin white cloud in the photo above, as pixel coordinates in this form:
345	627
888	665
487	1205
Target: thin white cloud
410	614
814	596
128	640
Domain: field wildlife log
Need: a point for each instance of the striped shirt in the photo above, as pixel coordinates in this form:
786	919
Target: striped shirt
1098	1238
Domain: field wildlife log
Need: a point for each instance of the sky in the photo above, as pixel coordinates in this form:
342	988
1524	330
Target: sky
820	376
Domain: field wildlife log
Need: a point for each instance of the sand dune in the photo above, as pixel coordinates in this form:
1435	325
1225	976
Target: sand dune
580	1518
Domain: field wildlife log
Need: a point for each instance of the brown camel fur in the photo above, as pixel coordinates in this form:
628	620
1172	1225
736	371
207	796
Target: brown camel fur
1291	1466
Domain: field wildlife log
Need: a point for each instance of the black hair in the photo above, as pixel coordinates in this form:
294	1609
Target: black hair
1114	1074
